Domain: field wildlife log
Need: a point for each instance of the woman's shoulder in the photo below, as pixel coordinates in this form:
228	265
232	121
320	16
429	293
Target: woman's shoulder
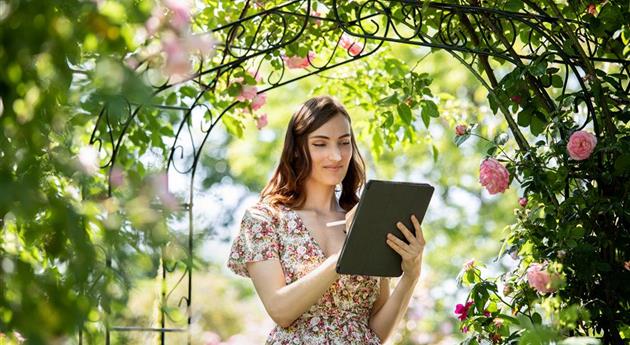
266	211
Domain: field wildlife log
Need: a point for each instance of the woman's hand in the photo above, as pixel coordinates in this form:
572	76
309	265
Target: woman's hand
411	253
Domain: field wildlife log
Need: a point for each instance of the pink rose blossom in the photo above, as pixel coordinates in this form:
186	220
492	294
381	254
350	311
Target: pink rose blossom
155	21
261	121
258	101
581	145
522	201
180	13
200	43
354	48
460	130
177	57
539	278
493	176
248	92
462	310
294	62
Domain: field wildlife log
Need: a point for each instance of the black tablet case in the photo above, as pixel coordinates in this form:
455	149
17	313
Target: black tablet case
382	205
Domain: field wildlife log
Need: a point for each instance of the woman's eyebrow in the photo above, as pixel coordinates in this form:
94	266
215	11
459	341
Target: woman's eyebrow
325	137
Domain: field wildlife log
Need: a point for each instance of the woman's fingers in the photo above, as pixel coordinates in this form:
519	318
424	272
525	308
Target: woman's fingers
419	233
396	243
408	235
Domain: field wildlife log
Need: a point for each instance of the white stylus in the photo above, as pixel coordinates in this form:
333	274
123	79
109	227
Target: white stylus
339	222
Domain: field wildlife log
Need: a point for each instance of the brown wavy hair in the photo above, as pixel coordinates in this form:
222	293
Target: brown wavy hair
286	187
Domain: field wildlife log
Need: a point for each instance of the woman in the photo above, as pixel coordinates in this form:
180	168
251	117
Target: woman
286	249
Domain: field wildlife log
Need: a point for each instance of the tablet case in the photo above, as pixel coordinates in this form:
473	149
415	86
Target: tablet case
382	205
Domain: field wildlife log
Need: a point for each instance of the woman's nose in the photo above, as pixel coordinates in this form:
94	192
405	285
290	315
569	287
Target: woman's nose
335	154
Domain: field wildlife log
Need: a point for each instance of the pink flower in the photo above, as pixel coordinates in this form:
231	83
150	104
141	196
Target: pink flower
354	48
581	145
180	13
160	186
469	265
540	279
462	310
201	43
522	201
259	100
294	62
497	322
261	121
248	92
516	99
465	329
177	57
493	176
486	313
155	21
460	130
317	22
116	177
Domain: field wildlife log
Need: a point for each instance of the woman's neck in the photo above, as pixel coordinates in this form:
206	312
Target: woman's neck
320	198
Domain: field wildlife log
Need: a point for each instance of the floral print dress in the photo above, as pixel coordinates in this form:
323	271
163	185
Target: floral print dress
341	315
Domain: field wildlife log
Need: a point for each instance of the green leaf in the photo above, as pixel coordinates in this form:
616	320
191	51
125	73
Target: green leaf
389	100
405	113
430	108
233	126
524	117
425	119
461	139
435	154
389	119
538	124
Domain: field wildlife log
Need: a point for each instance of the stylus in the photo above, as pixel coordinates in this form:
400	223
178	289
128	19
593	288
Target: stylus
339	222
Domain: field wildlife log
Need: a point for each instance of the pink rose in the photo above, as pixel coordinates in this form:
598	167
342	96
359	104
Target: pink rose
354	48
258	101
294	62
261	121
522	201
180	13
581	145
462	310
460	130
493	176
248	92
177	57
540	279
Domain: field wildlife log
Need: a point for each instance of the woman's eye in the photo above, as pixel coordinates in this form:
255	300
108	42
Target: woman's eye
319	145
346	143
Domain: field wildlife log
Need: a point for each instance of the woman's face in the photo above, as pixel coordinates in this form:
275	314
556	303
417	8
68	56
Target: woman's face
330	150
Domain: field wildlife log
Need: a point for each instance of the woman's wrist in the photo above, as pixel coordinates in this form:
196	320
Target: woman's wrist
410	279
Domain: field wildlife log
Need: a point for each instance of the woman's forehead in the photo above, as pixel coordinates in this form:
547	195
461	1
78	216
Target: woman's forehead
336	127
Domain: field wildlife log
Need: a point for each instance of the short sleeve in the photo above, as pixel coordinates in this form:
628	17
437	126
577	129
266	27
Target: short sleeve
257	239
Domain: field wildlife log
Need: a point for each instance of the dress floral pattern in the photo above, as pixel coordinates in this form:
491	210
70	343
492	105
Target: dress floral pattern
341	315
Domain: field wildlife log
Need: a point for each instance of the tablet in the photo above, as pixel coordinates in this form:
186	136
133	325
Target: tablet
382	205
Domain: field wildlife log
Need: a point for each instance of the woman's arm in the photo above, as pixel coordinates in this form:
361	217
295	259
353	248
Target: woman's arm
285	303
384	321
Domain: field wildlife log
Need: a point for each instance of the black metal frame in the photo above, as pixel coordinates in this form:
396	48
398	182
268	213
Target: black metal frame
236	53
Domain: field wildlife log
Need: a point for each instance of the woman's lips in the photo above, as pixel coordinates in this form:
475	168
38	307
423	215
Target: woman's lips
334	168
